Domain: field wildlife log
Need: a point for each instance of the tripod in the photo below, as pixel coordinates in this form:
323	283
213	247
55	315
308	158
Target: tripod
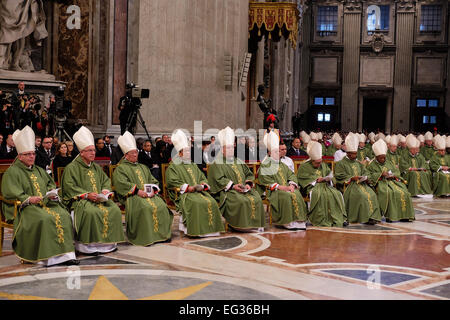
135	117
60	128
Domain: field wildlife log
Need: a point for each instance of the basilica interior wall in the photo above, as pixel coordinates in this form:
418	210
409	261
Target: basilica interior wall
182	45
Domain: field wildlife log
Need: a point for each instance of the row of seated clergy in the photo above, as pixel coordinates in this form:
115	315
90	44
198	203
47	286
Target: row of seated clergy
44	232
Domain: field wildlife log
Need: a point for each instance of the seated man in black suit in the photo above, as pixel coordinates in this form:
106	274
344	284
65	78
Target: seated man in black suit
146	156
8	150
294	150
251	152
45	154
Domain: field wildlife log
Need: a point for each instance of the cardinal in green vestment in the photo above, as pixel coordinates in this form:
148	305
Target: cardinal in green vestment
393	196
440	166
188	188
86	190
282	190
415	170
326	205
43	230
361	202
428	150
233	185
148	220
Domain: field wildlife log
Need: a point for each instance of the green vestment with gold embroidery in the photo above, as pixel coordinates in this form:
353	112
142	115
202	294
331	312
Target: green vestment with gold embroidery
427	152
94	222
419	182
199	210
331	150
326	205
41	231
361	202
241	210
286	206
148	220
393	196
394	158
441	180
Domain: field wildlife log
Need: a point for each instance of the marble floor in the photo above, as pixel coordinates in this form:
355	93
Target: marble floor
389	261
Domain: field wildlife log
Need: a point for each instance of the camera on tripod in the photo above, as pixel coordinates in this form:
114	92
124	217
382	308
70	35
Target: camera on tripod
62	107
133	91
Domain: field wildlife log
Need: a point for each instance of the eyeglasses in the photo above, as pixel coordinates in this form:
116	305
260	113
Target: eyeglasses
46	142
91	150
31	154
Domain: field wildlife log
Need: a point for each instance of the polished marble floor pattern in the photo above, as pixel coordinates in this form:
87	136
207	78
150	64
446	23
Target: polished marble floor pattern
395	261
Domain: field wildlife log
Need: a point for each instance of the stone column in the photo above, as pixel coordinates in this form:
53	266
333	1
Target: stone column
389	115
350	77
403	62
304	60
447	98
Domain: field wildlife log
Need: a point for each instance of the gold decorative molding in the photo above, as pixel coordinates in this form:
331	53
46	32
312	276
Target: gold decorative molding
269	16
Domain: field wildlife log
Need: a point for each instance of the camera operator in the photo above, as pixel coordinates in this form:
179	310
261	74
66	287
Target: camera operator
18	102
6	115
127	105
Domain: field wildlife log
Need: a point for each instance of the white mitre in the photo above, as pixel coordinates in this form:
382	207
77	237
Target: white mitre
428	135
314	136
314	150
336	138
24	140
127	142
362	137
421	138
379	147
440	143
271	141
352	142
412	142
83	138
180	140
226	137
394	140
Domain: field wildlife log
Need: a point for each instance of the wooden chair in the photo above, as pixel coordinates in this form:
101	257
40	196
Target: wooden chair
59	177
3	223
170	203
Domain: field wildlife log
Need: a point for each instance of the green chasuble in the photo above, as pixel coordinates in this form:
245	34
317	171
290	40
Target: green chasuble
441	180
241	210
331	151
427	152
199	210
402	152
94	222
369	152
364	153
419	182
326	204
286	206
393	158
41	231
148	219
360	200
393	196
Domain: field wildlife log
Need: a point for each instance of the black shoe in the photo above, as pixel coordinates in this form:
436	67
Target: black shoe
388	220
72	262
345	223
94	254
372	222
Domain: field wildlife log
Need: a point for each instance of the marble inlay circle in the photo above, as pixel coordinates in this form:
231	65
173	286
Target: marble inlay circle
136	284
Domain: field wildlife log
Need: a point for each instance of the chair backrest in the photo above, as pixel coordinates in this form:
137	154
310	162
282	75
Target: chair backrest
112	167
164	167
59	173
